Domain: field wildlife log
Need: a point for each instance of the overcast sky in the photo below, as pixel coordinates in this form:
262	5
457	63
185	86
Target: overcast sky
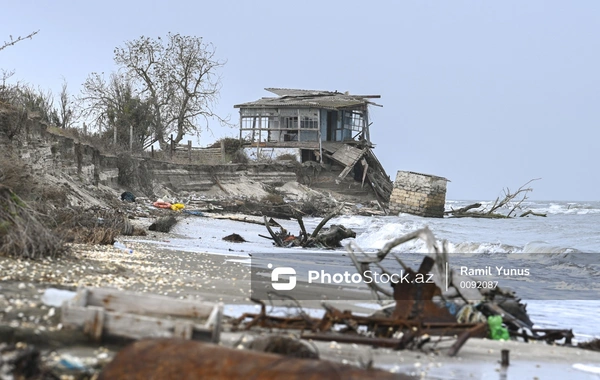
486	94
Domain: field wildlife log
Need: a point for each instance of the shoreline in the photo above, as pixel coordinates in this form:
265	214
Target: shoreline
225	278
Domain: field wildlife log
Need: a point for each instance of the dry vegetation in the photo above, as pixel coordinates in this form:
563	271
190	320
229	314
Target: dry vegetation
21	232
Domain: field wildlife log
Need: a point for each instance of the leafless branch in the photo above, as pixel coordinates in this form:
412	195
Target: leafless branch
16	40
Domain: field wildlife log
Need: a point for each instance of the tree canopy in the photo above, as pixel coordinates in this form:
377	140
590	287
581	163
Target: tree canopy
178	77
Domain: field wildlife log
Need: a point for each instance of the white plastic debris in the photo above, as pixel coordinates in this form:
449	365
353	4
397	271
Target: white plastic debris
56	297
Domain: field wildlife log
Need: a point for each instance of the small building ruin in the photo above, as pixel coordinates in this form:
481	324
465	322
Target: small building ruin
326	131
418	194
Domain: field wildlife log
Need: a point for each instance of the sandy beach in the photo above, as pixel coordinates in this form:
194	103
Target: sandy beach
226	278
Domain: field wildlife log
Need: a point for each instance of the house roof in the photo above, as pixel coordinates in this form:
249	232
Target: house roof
288	97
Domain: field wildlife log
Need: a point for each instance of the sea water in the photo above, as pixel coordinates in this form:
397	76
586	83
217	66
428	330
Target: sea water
561	252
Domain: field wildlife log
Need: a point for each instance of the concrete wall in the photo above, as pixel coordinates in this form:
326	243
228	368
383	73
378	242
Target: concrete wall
418	194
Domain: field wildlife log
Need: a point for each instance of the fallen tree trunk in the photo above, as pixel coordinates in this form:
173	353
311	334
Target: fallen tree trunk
512	201
463	209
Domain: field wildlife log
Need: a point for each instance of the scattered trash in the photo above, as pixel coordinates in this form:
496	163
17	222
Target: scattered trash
193	212
122	247
72	362
177	206
421	309
497	332
128	197
56	297
161	204
234	238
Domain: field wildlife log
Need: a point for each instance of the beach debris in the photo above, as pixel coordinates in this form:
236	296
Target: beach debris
163	224
56	297
177	206
122	247
22	234
174	358
321	238
497	331
421	310
105	312
161	204
234	238
346	327
128	197
511	201
193	212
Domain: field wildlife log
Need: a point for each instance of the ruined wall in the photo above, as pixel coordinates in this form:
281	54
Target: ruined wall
418	194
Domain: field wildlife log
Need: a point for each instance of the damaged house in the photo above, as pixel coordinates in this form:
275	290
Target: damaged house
327	131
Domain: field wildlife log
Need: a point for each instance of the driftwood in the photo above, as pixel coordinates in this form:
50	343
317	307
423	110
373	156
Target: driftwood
322	238
529	212
511	201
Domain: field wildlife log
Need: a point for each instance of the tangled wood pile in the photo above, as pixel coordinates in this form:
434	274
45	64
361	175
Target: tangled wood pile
421	309
319	238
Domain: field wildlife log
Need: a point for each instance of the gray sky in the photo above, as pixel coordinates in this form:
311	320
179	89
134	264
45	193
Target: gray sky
486	94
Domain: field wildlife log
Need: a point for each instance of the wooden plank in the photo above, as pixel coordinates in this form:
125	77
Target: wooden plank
215	323
142	303
93	322
348	155
183	330
81	298
351	164
135	326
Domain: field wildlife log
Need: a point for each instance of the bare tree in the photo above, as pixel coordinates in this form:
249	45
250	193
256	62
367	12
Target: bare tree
12	41
179	78
66	108
114	104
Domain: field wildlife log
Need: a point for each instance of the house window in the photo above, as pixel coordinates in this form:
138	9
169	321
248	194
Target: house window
309	118
308	122
353	120
289	122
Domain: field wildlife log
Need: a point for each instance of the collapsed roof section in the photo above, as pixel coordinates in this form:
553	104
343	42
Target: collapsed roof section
332	100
